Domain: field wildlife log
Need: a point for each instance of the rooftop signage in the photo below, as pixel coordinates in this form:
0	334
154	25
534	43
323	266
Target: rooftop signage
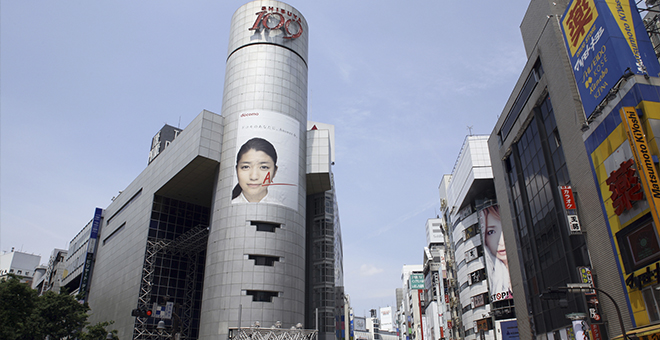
274	18
604	40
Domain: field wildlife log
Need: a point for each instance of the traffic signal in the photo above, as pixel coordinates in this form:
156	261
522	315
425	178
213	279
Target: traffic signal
141	312
555	294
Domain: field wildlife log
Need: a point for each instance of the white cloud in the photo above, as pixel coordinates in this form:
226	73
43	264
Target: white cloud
369	270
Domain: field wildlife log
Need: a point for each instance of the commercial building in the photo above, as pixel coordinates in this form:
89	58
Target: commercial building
410	310
50	277
435	281
371	328
549	164
234	221
479	291
621	141
80	256
18	263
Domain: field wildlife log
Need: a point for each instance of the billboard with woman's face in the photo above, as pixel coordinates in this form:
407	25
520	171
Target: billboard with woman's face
497	265
267	159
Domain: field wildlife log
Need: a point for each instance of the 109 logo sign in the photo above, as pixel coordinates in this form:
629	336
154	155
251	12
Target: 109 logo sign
273	19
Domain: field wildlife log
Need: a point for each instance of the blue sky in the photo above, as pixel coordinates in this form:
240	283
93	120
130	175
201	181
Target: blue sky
84	85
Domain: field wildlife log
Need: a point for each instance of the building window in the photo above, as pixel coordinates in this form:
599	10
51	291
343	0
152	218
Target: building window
265	226
477	276
113	233
535	168
466	308
263	260
131	200
262	295
530	83
472	231
651	299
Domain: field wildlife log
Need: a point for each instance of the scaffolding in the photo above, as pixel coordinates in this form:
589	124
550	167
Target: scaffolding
256	333
190	245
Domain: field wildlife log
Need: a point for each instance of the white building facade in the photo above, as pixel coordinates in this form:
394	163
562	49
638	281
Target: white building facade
20	264
435	277
469	185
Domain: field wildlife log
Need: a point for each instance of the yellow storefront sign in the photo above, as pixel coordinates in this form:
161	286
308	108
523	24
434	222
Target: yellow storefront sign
643	161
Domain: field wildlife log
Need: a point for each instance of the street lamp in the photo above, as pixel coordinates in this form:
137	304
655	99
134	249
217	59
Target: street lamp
581	287
160	327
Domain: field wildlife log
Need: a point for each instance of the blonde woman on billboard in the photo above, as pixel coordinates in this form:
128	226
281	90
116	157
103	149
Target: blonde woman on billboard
497	265
256	166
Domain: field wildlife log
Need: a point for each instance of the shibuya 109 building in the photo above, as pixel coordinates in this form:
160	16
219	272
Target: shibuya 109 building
234	221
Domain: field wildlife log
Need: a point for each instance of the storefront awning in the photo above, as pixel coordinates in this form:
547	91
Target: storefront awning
643	333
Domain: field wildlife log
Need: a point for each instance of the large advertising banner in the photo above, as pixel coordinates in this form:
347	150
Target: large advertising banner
507	329
604	40
497	265
267	159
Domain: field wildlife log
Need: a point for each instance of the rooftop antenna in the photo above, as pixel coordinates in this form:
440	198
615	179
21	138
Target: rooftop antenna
179	125
470	128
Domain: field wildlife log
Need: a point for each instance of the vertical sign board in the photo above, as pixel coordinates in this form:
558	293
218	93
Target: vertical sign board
416	281
91	248
591	297
643	161
604	39
570	209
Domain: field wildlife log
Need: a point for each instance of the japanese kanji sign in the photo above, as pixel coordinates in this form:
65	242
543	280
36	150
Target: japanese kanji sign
574	224
643	160
604	39
625	187
579	18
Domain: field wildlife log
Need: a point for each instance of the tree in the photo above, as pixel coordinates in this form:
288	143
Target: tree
17	303
58	316
98	332
26	316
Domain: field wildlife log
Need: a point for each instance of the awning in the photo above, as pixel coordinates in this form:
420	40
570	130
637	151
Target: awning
643	333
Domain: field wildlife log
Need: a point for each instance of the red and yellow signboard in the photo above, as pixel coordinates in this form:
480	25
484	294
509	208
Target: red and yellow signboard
580	17
643	160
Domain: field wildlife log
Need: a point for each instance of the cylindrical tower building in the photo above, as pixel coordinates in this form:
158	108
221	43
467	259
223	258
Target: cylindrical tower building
256	247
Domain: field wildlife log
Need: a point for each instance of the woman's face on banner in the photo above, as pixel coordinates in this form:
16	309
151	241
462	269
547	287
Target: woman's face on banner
256	171
494	238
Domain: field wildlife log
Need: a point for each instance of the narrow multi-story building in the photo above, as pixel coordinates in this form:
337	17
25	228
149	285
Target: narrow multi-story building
412	281
480	292
435	277
53	273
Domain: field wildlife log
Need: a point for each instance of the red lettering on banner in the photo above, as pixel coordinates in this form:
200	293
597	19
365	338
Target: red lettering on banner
595	331
625	187
269	15
267	179
577	19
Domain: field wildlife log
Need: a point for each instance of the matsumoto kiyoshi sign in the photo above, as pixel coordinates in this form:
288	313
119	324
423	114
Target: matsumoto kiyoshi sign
604	38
